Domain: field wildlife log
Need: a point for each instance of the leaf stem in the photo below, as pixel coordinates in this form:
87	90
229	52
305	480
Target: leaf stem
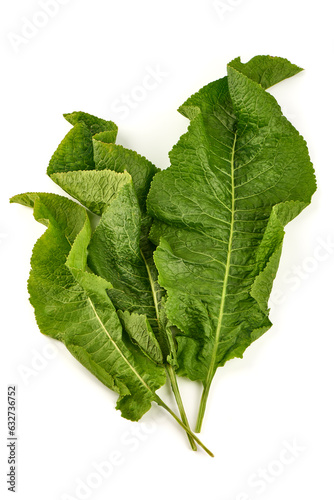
187	429
168	344
178	399
202	407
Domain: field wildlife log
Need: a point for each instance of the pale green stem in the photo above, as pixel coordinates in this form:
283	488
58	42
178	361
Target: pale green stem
202	407
187	429
176	391
169	368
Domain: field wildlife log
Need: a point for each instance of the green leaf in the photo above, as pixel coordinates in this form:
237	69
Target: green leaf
94	189
93	123
90	145
72	305
238	175
114	253
108	155
120	250
266	70
141	333
75	152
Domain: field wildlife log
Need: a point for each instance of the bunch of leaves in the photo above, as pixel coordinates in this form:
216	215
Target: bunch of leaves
176	276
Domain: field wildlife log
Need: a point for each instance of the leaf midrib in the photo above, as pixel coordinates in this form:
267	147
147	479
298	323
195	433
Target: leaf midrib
155	300
161	340
212	369
117	348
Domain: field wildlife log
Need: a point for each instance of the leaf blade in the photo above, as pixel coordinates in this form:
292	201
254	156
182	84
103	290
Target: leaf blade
211	229
72	305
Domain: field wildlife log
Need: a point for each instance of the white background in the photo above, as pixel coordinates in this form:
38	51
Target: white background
86	57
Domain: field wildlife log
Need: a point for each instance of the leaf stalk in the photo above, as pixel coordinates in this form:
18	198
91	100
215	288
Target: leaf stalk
178	399
187	429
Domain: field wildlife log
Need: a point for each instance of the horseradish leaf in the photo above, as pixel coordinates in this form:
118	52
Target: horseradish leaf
90	145
72	305
178	272
266	70
238	175
121	252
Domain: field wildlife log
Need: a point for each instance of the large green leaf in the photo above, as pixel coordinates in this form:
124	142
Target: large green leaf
238	175
120	250
72	305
